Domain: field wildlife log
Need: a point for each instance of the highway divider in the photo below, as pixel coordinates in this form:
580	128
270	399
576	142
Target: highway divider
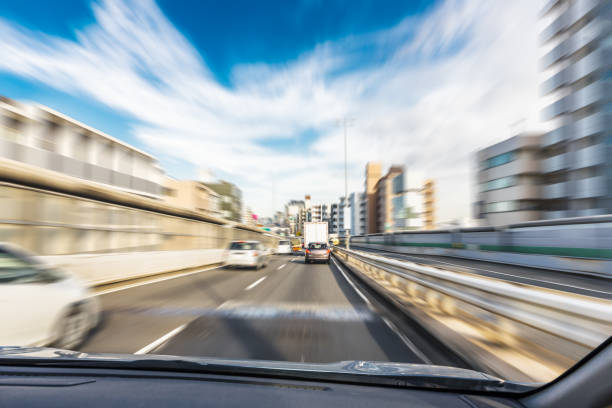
512	330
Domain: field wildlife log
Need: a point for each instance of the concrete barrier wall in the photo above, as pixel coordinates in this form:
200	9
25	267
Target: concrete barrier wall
98	269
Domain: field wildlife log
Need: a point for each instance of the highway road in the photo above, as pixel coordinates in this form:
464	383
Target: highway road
287	311
582	284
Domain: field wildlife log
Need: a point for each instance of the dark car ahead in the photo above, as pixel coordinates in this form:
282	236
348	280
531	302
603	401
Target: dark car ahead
317	251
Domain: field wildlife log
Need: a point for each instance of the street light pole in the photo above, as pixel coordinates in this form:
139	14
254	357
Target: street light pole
347	234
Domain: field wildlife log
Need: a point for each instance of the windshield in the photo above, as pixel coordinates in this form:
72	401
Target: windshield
317	245
14	269
243	246
421	184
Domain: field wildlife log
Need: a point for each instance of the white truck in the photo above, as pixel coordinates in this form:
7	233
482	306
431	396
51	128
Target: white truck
315	232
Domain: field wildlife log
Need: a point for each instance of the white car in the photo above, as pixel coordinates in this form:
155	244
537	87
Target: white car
284	247
41	306
246	253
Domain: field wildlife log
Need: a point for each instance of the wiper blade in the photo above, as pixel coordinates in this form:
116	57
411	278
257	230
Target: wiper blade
355	372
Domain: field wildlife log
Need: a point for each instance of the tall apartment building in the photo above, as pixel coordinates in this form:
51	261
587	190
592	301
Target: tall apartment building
341	221
293	210
399	201
357	204
384	200
334	219
231	199
577	152
40	136
509	189
372	175
429	204
319	212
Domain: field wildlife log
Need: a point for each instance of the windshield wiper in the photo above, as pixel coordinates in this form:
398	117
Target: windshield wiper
355	372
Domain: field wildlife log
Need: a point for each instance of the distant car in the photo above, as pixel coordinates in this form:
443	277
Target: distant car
42	306
317	251
284	247
247	253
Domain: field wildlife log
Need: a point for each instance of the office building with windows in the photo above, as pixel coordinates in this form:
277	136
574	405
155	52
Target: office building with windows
577	151
508	184
357	205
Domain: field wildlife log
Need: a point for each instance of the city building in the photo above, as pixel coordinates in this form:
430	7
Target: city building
40	136
384	200
576	153
363	219
334	219
248	218
192	195
317	212
357	204
340	217
293	211
230	199
508	181
372	175
429	204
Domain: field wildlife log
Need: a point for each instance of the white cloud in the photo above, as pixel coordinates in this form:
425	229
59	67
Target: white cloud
452	81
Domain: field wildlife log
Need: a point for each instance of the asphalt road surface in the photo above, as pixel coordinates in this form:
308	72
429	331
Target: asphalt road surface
583	284
287	311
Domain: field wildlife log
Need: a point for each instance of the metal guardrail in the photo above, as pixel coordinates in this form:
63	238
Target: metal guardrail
511	315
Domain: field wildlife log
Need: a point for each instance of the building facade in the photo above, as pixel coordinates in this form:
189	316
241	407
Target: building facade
372	175
39	136
429	204
508	179
384	200
577	151
357	204
192	195
334	219
230	199
293	211
342	203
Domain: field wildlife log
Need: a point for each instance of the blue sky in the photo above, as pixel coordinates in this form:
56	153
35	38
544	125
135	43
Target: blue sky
254	90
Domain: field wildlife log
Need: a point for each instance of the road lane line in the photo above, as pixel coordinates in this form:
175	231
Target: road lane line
406	341
165	278
223	304
365	299
389	324
257	282
152	346
282	266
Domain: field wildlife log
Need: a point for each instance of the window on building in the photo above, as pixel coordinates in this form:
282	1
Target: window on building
496	184
398	184
46	138
81	146
502	206
499	160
